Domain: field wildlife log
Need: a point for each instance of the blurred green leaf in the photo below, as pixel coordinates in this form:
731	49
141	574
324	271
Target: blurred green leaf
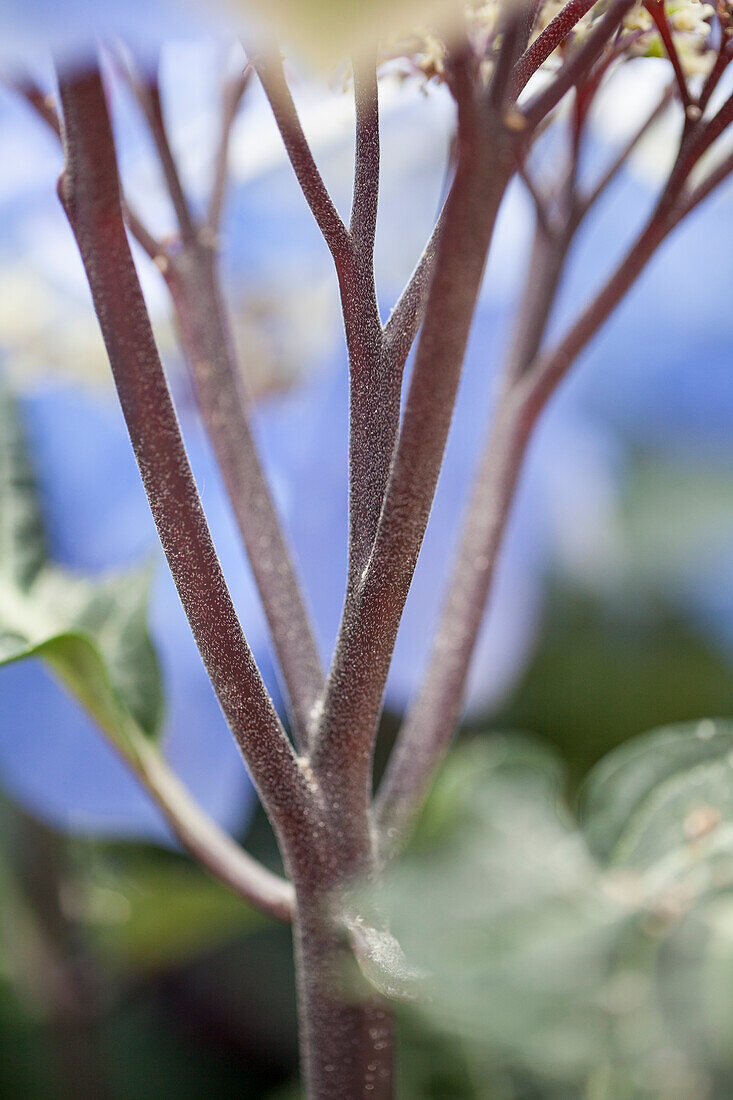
652	797
604	673
22	540
589	959
162	912
507	914
675	513
92	635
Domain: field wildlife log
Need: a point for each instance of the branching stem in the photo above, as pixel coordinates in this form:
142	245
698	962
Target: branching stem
354	689
269	69
206	842
231	99
578	64
193	281
547	42
45	108
428	728
89	191
531	376
148	96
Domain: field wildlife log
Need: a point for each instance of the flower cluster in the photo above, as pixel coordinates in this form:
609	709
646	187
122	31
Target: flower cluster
689	21
690	24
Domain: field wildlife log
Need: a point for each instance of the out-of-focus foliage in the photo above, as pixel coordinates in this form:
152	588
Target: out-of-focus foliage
161	913
330	31
586	955
98	525
93	636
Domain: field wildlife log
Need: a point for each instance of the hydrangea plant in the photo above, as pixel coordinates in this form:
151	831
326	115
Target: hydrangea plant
524	79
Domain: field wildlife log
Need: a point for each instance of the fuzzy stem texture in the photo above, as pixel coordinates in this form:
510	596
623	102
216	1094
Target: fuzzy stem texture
222	401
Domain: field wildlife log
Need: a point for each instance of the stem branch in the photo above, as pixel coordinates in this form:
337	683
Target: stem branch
354	689
89	191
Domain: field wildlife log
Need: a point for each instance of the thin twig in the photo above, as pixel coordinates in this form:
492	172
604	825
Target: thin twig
43	104
705	135
530	380
373	410
625	151
45	108
193	281
372	424
552	366
269	69
540	200
722	61
658	14
713	180
578	64
514	29
428	729
151	247
147	93
406	317
547	42
407	314
89	191
231	99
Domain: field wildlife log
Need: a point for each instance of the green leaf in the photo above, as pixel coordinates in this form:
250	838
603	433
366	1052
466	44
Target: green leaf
660	810
589	958
507	914
660	793
22	542
149	912
92	635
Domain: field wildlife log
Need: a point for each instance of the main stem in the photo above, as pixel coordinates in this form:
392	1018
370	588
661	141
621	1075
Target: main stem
346	1029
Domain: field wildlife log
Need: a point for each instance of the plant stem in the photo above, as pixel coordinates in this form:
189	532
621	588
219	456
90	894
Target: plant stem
431	722
269	69
658	14
205	841
373	405
406	317
354	689
231	99
44	107
89	191
621	157
193	281
550	367
351	1037
148	95
547	42
578	64
194	285
531	378
346	1029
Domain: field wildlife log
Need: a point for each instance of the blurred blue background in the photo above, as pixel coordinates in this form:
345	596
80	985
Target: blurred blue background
612	610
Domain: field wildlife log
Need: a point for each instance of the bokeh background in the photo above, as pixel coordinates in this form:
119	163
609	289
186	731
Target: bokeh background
124	970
